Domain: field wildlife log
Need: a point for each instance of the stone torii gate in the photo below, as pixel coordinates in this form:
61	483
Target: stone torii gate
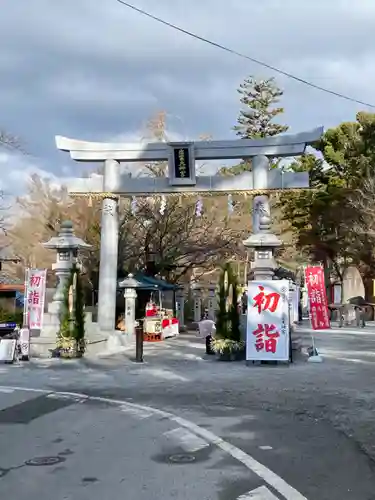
182	178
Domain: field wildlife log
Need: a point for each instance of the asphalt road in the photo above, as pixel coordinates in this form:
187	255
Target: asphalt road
296	433
63	447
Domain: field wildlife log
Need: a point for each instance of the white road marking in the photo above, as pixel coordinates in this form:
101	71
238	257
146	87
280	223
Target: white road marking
65	396
349	360
164	374
136	412
265	448
189	442
194	345
270	477
261	493
57	396
192	357
6	390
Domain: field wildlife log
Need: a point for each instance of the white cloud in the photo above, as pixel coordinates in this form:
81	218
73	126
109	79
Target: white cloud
97	70
16	170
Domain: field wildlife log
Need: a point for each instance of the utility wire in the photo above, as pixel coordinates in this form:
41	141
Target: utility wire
244	56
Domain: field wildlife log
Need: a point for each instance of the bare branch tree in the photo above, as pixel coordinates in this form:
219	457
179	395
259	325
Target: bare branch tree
176	240
11	142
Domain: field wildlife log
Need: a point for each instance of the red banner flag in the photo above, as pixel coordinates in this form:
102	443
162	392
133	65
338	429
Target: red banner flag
316	291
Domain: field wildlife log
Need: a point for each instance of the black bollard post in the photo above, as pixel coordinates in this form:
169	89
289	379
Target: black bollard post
139	342
209	349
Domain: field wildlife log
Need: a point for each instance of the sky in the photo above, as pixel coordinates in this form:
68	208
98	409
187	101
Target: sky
96	70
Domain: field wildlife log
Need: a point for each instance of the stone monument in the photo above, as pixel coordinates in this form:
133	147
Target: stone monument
352	284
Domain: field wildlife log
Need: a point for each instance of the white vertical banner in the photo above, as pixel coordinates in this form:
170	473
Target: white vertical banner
25	315
294	293
267	337
35	296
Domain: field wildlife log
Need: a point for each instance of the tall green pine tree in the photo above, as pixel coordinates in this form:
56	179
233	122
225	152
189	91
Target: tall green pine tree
234	314
228	321
222	315
260	100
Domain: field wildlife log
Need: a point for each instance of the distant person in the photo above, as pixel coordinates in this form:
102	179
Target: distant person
244	303
207	330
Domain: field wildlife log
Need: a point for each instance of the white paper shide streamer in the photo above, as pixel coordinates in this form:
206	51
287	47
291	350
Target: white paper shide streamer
230	204
133	205
199	207
163	205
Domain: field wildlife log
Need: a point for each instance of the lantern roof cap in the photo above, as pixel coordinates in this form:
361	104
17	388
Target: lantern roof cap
66	239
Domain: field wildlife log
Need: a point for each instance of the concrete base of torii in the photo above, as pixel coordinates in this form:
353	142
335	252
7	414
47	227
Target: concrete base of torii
42	343
118	341
98	342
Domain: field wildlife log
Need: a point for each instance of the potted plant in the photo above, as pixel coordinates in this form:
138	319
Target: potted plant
71	337
227	349
227	343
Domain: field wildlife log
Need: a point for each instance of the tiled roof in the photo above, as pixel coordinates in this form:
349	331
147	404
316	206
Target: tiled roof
7	280
6	253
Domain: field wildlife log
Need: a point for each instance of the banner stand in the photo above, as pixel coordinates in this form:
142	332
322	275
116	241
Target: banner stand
313	353
314	356
24	342
290	341
34	293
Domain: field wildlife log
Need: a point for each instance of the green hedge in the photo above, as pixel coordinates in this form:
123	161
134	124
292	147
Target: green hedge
7	316
75	331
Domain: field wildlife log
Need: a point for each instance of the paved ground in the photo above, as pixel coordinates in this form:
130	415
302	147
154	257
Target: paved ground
63	447
301	432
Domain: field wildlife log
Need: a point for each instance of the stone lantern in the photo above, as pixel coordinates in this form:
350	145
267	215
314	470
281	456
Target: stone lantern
212	302
263	241
180	306
197	295
67	246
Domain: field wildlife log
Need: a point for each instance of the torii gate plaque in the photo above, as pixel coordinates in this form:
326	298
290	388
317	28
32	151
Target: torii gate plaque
182	179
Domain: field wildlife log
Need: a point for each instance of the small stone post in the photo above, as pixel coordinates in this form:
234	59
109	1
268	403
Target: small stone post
180	307
212	302
130	285
197	302
130	297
